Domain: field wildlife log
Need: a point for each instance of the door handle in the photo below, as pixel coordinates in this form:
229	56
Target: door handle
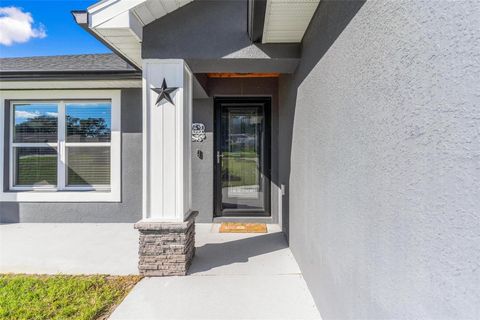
219	156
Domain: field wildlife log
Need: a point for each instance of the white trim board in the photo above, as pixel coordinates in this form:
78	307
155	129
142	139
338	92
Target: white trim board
114	195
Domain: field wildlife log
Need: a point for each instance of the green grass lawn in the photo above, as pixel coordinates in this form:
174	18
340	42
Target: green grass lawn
240	169
93	168
61	296
37	169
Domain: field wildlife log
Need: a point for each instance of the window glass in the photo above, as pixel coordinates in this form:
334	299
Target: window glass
88	122
35	123
88	166
35	166
85	142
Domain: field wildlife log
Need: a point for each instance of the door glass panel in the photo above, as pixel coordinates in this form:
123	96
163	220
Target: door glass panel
242	177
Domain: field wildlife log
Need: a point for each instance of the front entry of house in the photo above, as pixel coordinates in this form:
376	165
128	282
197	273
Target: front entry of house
242	157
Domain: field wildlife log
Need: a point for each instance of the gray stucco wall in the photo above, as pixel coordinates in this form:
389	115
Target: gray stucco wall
128	210
202	165
384	163
212	37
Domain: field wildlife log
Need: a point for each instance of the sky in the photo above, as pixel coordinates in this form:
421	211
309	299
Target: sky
44	28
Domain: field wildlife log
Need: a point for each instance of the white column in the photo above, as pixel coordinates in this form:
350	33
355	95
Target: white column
167	141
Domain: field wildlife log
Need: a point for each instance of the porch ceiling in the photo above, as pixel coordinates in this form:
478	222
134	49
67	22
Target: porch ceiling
119	23
151	10
287	20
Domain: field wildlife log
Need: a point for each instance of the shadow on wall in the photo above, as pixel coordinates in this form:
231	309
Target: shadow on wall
333	17
9	212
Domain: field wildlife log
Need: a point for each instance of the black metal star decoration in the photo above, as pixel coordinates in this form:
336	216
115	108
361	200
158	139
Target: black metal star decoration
164	93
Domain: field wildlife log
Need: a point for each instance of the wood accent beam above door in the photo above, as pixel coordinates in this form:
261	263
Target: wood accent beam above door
244	75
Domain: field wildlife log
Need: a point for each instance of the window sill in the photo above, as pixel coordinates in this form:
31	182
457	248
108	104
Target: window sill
54	189
60	196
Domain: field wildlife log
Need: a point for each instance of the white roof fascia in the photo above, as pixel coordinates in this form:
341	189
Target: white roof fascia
104	11
127	21
113	20
118	23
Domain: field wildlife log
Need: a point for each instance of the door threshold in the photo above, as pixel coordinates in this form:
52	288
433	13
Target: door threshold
243	219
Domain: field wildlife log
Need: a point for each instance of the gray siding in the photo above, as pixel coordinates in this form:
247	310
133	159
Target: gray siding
382	153
128	210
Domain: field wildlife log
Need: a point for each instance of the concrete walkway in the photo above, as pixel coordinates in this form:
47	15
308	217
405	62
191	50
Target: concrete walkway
233	276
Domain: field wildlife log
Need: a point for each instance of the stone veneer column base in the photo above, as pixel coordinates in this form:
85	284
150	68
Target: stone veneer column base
166	248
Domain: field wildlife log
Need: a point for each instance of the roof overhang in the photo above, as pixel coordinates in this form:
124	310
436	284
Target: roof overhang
21	80
69	75
119	23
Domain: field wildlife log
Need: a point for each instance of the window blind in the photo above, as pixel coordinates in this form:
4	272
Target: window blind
35	166
88	166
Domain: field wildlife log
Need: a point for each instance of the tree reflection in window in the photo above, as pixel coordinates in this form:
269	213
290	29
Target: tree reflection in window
88	122
35	123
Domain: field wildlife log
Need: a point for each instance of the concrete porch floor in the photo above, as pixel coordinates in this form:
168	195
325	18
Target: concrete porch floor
233	276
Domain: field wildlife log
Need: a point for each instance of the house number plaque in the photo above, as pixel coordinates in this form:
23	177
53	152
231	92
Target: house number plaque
198	132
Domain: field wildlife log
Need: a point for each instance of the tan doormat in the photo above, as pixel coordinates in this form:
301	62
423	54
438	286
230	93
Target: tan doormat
235	227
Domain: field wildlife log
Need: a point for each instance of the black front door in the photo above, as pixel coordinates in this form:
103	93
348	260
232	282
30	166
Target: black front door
242	157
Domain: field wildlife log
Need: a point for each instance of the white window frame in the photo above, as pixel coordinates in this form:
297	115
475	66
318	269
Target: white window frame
61	192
